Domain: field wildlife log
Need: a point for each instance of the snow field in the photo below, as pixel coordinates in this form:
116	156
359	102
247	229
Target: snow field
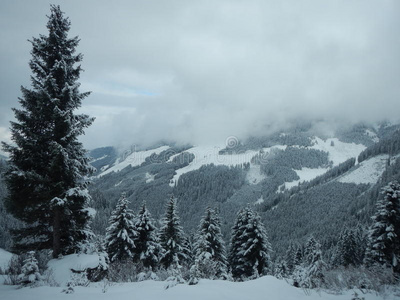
205	155
369	171
266	287
340	151
5	258
134	159
62	267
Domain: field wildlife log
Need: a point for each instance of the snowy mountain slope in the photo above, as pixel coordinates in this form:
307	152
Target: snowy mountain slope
254	175
305	174
266	287
205	155
136	158
338	151
368	171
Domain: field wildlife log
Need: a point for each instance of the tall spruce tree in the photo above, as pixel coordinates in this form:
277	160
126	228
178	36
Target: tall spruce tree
249	255
384	235
347	250
172	238
48	165
121	233
210	255
147	247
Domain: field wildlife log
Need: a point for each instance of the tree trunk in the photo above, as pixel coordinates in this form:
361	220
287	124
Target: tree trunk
56	232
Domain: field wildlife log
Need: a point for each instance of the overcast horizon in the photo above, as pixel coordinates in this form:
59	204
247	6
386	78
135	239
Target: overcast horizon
201	71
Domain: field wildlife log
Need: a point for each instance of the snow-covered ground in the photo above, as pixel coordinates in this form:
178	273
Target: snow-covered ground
369	171
5	258
62	267
305	174
149	177
338	151
254	174
205	155
266	287
136	158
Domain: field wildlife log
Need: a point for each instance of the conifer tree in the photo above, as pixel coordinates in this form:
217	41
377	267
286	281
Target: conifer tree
249	255
298	256
48	165
310	273
210	255
172	238
30	270
147	247
121	233
384	235
347	250
290	259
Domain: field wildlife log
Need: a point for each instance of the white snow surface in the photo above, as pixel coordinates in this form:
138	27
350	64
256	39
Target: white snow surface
369	171
62	267
260	200
5	258
149	177
266	287
205	155
136	158
338	153
305	174
254	174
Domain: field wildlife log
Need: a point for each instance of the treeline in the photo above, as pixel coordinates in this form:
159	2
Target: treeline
7	221
329	175
389	145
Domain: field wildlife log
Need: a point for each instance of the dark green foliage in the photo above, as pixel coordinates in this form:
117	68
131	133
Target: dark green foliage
322	210
7	221
293	158
48	165
122	233
209	186
210	182
147	248
384	235
249	255
350	248
210	255
388	145
172	238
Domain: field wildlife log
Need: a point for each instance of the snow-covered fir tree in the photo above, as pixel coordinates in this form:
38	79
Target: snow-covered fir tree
121	233
147	247
298	256
30	270
384	235
250	250
210	255
171	238
347	251
48	165
310	273
290	258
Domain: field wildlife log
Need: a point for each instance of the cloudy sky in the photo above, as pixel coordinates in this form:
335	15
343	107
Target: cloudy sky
199	71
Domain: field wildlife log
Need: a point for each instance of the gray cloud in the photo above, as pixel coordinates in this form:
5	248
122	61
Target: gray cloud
199	71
